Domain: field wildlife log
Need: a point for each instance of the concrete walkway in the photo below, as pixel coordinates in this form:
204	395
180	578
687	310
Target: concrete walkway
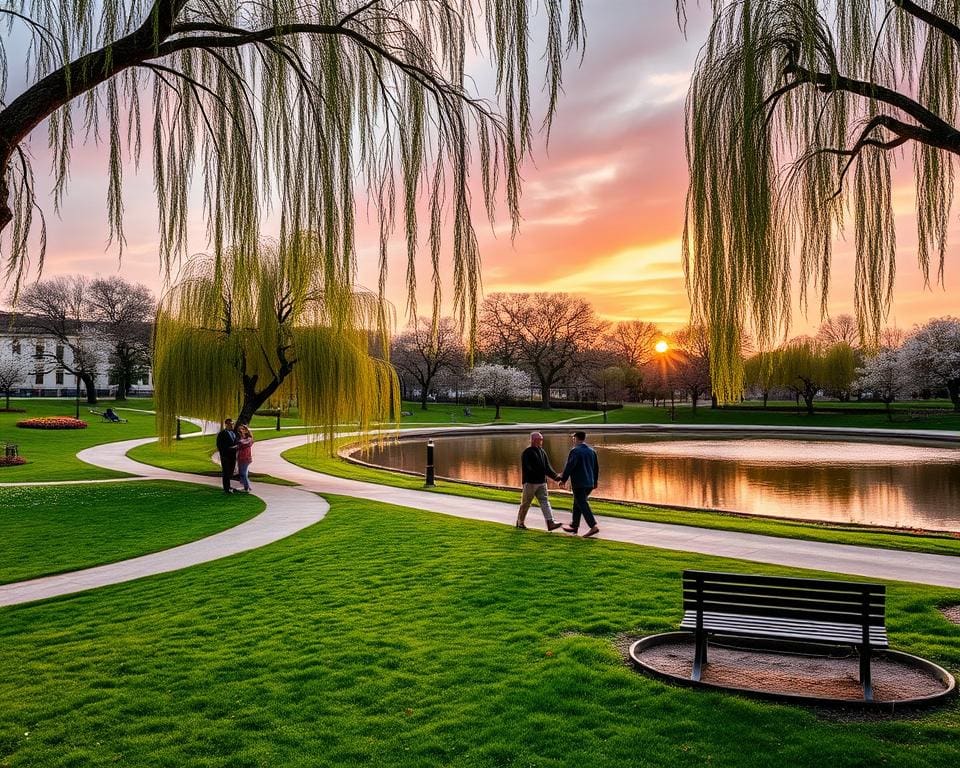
288	510
291	509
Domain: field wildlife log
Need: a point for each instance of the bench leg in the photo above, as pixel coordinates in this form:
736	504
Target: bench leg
865	678
699	655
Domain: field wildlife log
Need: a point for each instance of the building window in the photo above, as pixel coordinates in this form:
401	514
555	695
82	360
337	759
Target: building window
39	350
59	351
39	377
15	346
59	375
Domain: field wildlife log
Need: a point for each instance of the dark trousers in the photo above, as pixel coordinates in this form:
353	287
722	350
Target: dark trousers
228	466
582	507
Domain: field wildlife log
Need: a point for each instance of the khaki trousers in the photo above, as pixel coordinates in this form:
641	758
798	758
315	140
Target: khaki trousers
536	491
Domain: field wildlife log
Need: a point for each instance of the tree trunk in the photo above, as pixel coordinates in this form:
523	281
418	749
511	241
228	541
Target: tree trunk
953	387
497	414
8	399
91	388
423	398
808	399
544	395
889	411
766	396
693	400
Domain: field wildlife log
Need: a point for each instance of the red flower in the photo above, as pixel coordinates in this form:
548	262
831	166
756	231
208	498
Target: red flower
52	422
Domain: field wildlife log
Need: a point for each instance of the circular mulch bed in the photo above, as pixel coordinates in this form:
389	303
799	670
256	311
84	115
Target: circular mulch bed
898	678
952	612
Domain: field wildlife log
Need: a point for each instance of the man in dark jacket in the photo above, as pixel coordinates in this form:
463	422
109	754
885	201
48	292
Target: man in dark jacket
227	448
583	471
535	469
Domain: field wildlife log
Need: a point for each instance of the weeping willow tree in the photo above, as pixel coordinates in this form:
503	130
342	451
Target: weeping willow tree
290	104
284	321
796	114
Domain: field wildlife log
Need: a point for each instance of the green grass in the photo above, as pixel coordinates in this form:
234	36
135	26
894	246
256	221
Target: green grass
193	455
49	530
50	454
315	458
391	637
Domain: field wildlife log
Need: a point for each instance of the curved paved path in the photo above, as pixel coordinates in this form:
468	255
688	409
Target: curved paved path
292	509
288	510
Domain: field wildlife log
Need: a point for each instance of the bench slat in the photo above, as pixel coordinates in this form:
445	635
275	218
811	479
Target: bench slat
847	615
752	626
718	577
766	590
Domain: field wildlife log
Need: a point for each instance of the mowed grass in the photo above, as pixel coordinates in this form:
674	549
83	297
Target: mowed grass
48	530
391	637
51	454
316	458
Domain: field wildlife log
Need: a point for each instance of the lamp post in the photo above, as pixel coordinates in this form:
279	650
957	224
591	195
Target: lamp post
429	473
76	398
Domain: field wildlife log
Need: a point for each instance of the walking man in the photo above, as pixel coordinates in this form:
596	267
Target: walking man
535	469
227	448
583	471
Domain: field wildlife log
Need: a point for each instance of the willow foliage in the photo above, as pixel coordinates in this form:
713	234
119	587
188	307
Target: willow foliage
795	114
303	105
283	323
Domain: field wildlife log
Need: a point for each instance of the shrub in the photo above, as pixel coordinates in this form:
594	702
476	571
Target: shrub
12	461
52	422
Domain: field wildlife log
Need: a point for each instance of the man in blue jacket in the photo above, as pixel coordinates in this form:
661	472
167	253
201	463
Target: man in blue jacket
583	471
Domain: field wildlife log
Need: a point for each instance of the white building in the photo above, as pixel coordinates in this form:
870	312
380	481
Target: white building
42	376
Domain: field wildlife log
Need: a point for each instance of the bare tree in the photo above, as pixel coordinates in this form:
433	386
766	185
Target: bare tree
841	329
11	373
124	313
57	308
543	333
423	352
690	368
633	341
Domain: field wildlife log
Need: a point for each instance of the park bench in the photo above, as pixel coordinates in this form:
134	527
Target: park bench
821	611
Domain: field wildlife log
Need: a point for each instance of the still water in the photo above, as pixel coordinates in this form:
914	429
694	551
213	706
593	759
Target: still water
852	482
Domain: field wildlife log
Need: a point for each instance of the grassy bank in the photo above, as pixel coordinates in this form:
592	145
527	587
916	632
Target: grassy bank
49	530
392	637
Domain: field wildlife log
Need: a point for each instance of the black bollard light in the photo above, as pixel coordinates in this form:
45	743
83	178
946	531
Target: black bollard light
429	483
278	420
178	429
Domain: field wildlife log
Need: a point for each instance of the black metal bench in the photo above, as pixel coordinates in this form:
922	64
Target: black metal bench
784	608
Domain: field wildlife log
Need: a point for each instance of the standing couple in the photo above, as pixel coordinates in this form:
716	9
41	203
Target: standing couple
582	470
235	447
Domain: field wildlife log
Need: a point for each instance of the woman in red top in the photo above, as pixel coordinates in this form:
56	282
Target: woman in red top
244	455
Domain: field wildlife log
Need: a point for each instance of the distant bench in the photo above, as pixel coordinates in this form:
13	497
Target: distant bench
784	608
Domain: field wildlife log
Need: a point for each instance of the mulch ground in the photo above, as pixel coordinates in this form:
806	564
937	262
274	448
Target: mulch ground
952	612
796	675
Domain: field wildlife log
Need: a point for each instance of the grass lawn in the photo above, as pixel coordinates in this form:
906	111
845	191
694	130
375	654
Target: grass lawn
49	530
51	454
392	637
316	458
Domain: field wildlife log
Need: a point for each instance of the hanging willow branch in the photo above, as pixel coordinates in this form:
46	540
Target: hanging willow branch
795	110
296	102
285	323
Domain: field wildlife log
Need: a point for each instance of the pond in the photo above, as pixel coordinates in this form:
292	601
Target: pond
896	485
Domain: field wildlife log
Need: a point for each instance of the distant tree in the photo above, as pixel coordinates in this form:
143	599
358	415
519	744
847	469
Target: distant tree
885	376
234	332
892	337
689	369
422	353
497	383
11	373
841	329
840	363
124	315
759	374
58	308
799	368
933	353
633	341
543	333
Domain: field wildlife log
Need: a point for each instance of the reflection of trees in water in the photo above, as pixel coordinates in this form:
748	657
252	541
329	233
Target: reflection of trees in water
912	495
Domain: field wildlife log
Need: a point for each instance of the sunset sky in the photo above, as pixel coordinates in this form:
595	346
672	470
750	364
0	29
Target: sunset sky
603	208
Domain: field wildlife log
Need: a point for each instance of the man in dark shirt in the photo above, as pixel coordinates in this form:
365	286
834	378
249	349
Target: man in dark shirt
583	470
535	469
227	448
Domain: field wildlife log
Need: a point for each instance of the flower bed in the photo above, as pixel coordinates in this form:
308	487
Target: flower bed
52	422
12	461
